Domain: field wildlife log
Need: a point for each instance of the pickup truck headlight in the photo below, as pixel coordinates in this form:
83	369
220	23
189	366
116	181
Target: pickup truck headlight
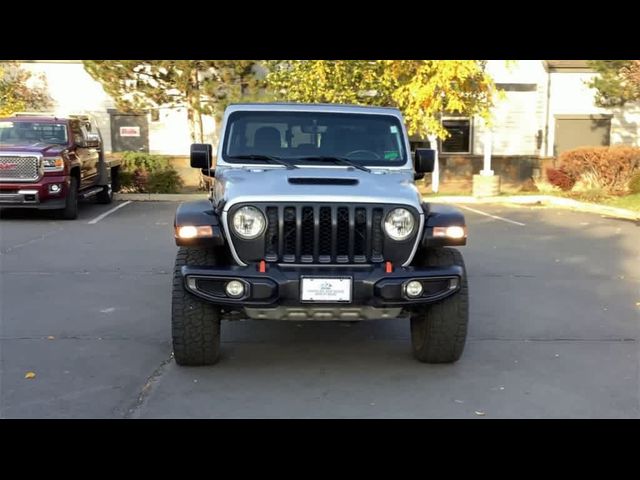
248	222
53	164
399	224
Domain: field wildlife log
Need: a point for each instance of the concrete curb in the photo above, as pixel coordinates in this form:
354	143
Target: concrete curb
160	197
542	200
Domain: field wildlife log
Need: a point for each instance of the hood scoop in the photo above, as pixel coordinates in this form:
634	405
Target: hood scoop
322	181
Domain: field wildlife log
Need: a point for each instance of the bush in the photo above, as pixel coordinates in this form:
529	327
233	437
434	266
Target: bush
634	183
145	173
126	180
610	167
132	161
167	181
559	178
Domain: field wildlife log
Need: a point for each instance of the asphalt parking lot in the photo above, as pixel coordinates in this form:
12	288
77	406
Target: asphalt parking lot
555	323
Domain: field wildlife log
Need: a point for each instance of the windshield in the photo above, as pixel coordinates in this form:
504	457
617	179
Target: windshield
314	138
29	133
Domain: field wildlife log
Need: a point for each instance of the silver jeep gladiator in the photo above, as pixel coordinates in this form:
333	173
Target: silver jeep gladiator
314	214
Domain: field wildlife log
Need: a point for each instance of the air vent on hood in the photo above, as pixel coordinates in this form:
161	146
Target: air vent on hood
323	181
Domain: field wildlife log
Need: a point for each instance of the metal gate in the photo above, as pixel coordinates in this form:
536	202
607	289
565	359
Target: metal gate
129	132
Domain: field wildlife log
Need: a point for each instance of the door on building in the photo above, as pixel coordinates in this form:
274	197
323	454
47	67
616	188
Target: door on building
574	131
129	132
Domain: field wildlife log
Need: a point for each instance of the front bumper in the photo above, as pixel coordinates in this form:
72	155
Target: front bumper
279	285
36	194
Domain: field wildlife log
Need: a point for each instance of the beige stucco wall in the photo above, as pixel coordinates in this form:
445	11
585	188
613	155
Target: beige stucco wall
73	90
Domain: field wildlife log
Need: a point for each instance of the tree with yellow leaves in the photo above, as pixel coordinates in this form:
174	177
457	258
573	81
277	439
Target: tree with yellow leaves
423	90
16	95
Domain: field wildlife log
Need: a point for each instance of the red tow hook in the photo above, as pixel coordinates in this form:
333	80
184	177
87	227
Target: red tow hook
262	266
388	267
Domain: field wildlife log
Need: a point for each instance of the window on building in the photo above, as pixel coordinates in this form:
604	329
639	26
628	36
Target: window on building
459	140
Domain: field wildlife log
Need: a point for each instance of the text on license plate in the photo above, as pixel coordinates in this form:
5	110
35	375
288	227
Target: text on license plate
325	290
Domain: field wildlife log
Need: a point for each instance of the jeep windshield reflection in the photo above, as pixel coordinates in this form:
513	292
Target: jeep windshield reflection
28	133
313	138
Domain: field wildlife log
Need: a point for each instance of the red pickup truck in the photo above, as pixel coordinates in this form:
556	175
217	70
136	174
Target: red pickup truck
49	162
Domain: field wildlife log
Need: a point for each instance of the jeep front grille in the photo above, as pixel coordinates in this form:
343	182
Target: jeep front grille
20	168
324	234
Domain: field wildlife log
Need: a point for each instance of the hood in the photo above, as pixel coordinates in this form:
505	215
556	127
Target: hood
306	184
46	149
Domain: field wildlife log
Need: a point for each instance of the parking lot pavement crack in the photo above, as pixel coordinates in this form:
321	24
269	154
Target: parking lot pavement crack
559	339
10	249
134	410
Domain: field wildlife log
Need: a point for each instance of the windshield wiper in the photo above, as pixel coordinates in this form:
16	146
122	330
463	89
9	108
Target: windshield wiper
340	160
266	158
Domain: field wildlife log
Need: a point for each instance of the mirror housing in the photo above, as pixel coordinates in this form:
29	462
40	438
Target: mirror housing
201	155
91	141
425	160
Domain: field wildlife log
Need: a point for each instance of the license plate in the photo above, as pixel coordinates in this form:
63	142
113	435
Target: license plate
325	289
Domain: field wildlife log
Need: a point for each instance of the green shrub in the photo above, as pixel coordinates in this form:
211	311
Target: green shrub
634	183
613	167
167	181
132	161
126	180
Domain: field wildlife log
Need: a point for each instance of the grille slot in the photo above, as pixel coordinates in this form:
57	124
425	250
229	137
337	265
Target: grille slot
324	234
19	168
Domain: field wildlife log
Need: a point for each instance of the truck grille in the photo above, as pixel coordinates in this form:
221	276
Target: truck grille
324	234
19	168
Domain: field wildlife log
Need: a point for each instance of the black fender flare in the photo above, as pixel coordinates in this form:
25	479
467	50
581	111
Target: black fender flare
198	213
441	215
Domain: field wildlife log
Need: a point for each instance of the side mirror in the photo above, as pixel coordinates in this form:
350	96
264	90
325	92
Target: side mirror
91	141
201	155
425	160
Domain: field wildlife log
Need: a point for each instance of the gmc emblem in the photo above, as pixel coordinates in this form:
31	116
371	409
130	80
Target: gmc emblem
8	166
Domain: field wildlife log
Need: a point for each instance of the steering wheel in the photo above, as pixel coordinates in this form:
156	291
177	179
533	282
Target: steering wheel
353	152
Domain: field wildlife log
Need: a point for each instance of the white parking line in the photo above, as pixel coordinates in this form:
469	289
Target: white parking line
100	217
492	216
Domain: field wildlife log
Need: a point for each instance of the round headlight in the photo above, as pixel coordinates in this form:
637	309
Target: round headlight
399	224
248	222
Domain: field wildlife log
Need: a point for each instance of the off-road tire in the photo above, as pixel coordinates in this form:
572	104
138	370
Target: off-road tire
438	333
195	324
70	210
106	195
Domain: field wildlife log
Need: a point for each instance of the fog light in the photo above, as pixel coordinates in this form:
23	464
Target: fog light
234	288
453	283
55	188
413	289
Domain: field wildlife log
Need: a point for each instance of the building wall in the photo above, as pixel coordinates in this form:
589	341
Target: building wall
571	95
518	116
73	90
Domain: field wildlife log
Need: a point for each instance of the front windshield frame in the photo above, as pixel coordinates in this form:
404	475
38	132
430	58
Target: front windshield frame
287	116
21	141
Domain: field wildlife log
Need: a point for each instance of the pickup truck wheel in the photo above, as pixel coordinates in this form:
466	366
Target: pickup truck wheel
70	210
438	334
106	195
195	324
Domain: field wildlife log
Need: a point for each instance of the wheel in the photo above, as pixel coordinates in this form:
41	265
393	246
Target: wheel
106	195
195	324
70	210
439	332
